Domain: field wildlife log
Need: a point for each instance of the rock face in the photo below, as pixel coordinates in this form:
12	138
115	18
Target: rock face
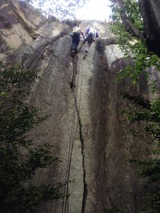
150	13
87	125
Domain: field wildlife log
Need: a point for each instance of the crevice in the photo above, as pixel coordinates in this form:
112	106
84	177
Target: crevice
72	83
85	192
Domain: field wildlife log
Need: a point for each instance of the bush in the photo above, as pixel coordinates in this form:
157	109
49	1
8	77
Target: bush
17	168
149	168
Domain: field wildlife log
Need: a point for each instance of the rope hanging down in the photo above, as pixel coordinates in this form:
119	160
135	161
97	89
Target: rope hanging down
65	204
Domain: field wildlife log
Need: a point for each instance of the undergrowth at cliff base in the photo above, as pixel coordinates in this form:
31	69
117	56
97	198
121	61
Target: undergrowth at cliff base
148	169
19	156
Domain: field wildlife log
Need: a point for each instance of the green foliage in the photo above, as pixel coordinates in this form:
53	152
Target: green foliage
149	168
115	210
131	9
152	203
142	59
126	19
19	157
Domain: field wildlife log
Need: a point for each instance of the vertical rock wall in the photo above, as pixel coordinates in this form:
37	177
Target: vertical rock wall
89	129
87	124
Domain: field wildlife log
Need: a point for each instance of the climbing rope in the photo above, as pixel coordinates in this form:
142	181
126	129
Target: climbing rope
81	140
74	126
71	144
65	205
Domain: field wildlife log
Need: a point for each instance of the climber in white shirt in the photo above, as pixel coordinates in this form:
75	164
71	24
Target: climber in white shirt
90	35
76	34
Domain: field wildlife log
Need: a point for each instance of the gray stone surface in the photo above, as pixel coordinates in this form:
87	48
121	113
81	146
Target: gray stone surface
87	125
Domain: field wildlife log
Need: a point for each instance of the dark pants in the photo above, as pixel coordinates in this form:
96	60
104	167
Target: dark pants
90	38
75	41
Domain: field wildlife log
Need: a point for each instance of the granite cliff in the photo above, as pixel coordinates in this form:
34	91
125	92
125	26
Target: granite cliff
88	126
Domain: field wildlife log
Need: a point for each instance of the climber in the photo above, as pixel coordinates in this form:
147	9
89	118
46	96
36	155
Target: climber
76	35
90	36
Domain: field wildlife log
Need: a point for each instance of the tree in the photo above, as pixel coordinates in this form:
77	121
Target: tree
150	10
148	169
128	24
147	13
19	157
136	24
60	8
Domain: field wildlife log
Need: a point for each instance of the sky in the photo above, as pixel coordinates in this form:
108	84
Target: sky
95	10
92	10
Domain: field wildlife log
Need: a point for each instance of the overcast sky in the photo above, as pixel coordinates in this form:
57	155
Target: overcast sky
92	10
95	9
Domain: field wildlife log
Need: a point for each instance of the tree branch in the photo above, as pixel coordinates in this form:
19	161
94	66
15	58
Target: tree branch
129	26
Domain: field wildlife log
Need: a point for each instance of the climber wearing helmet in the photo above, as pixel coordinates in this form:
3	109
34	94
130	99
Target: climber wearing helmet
90	35
76	34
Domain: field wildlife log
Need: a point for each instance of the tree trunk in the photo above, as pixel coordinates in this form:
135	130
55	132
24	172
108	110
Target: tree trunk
150	12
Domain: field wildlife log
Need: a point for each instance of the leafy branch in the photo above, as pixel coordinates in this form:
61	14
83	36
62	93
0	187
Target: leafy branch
19	157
